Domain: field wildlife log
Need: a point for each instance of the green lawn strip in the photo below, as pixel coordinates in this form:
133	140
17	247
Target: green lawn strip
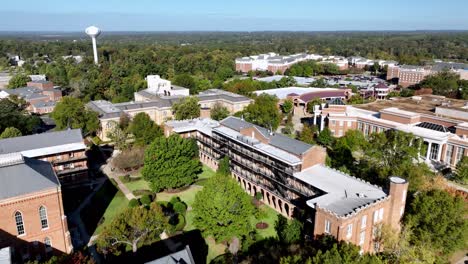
117	205
214	249
137	185
270	218
206	173
188	196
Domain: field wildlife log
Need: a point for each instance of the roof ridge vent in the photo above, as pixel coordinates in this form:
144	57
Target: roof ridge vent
11	159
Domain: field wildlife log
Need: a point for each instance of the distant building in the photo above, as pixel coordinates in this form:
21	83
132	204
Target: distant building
408	75
162	87
40	95
32	218
159	108
291	177
299	80
76	58
445	137
269	62
65	150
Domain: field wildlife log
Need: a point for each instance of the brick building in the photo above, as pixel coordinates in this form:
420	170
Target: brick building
40	95
159	108
64	149
445	138
291	177
32	220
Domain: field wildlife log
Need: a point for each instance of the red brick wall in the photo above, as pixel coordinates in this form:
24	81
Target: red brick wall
243	67
29	205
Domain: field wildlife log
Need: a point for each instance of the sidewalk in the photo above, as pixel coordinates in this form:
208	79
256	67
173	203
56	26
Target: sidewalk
107	170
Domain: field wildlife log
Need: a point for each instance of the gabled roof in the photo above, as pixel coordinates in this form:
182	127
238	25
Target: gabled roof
280	141
21	175
42	141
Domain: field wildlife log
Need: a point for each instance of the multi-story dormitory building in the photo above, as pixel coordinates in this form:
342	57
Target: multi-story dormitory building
408	75
292	178
446	138
65	150
33	224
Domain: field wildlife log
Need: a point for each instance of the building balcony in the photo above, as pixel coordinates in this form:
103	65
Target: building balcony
65	171
69	160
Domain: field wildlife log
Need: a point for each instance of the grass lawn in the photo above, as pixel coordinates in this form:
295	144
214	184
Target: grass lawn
214	249
206	173
270	217
117	205
137	185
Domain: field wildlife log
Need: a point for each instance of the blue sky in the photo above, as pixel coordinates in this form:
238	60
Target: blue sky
238	15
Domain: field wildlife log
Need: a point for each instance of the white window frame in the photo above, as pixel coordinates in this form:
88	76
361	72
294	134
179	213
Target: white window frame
349	230
364	221
19	223
381	214
362	237
43	217
327	227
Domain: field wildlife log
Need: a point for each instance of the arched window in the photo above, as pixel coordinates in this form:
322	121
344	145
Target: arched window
43	217
19	223
47	244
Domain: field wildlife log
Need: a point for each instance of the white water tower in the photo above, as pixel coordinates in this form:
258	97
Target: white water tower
94	32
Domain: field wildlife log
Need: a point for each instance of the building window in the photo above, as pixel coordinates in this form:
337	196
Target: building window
362	237
359	126
72	154
381	214
374	129
460	153
376	216
47	244
43	217
402	210
448	154
364	221
341	123
19	223
327	226
349	230
349	123
434	151
333	122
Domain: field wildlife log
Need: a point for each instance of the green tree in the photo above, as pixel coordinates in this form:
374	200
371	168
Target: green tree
287	106
311	104
325	137
118	136
288	232
461	174
222	209
133	228
442	83
307	134
187	81
10	132
187	108
439	219
18	80
71	112
219	112
171	163
13	115
223	166
144	129
263	112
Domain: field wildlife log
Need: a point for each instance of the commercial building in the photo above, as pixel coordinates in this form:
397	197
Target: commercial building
40	95
445	138
291	177
32	220
159	108
65	150
408	75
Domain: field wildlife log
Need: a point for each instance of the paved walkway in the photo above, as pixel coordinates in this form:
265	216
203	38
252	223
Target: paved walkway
107	170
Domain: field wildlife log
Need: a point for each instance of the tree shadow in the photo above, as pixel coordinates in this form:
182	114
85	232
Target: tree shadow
162	248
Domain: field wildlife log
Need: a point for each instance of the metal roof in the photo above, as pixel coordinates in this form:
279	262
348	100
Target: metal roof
25	176
41	141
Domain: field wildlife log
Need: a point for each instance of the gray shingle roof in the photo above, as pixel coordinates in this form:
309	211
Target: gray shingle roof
183	256
285	143
37	141
26	176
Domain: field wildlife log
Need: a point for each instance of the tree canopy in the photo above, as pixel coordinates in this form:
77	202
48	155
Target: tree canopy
219	112
187	108
144	129
263	112
171	162
439	219
13	115
10	132
133	228
18	80
461	174
222	209
71	112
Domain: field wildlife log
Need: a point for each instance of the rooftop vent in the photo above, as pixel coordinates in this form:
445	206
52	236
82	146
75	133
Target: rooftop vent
11	159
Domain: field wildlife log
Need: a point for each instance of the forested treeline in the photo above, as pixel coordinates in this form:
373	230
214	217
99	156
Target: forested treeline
204	60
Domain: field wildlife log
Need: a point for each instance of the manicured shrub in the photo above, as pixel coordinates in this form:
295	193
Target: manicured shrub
146	199
174	200
133	203
181	223
143	192
179	207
